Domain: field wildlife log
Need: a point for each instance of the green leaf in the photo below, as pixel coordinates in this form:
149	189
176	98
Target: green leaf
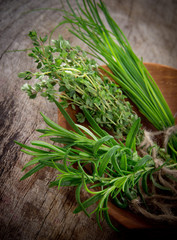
65	159
96	127
68	118
32	171
40	158
121	204
94	124
47	145
116	165
80	117
128	190
77	194
22	75
31	148
106	159
33	35
158	185
120	182
62	140
123	162
39	65
132	133
90	201
106	215
36	43
87	131
66	182
142	162
98	218
100	142
44	39
145	183
60	167
56	126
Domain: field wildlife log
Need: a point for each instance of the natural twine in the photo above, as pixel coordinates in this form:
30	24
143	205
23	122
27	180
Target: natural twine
162	203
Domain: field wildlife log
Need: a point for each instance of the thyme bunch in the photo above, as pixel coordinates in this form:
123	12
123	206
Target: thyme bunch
66	69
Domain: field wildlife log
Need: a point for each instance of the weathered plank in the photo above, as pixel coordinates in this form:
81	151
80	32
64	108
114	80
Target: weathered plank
29	209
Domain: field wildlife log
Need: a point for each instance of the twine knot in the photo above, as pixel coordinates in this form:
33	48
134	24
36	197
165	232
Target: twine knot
163	201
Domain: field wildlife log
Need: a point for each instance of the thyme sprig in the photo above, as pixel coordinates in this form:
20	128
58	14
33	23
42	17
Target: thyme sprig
116	168
66	69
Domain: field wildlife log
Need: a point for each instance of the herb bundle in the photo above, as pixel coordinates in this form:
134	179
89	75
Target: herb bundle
117	169
112	47
66	69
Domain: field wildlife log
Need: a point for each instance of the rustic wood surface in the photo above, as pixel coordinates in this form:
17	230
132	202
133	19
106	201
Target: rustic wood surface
29	209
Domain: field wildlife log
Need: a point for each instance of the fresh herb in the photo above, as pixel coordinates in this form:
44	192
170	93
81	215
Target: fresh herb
106	169
112	47
66	69
116	168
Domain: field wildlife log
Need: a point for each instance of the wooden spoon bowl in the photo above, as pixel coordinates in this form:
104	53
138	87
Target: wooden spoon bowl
166	79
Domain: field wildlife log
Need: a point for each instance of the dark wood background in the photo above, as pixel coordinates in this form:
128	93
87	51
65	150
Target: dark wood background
29	209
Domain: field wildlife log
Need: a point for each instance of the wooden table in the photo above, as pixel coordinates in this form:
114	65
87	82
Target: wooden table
29	209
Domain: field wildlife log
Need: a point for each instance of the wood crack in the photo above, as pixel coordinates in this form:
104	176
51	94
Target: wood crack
37	234
10	44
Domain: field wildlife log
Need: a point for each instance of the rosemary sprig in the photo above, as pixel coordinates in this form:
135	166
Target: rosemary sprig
116	168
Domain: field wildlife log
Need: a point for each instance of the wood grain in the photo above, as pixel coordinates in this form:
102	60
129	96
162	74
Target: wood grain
29	209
